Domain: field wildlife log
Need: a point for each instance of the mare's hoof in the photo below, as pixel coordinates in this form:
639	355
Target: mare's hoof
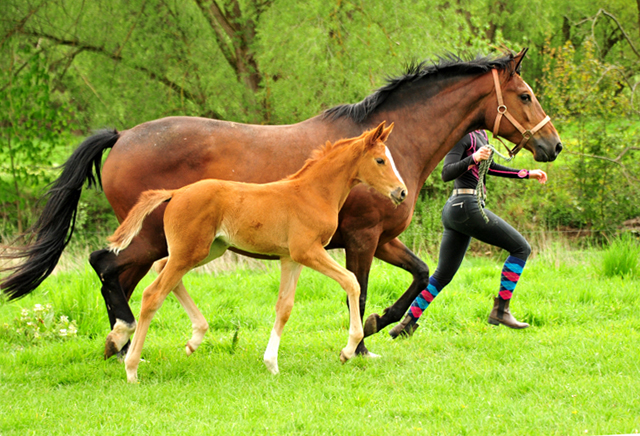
371	325
343	357
110	348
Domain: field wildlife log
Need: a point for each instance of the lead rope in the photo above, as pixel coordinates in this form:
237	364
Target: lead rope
483	169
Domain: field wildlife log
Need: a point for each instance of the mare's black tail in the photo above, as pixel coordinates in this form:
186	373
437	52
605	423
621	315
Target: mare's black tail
55	226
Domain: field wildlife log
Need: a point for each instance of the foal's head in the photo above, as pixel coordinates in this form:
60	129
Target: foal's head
377	168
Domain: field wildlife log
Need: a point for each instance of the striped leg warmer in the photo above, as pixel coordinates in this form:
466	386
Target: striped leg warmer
425	298
510	275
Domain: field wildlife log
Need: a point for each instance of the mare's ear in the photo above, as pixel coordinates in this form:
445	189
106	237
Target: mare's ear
518	59
374	135
386	133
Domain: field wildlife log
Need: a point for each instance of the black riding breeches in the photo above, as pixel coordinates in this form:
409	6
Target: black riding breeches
462	221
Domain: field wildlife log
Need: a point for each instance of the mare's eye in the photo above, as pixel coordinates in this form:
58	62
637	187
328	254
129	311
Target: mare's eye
380	161
525	98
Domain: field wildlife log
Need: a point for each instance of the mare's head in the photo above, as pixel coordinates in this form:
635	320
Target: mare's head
377	168
516	114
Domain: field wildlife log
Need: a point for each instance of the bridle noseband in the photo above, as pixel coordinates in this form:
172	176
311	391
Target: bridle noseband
502	110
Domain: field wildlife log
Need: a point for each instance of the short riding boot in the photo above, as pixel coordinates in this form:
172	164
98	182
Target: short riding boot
404	328
500	314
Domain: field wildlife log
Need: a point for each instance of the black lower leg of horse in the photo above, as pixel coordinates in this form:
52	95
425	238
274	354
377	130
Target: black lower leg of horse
106	266
397	254
119	276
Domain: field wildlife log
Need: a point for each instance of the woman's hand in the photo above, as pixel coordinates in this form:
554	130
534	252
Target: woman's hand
539	175
482	154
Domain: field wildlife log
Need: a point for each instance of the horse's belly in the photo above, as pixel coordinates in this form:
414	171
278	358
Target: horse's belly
260	240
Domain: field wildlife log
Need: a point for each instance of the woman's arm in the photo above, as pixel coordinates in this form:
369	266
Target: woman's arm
455	163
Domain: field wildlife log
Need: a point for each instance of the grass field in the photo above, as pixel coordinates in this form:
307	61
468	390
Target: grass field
575	371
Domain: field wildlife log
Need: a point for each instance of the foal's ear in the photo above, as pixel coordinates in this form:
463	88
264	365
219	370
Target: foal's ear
386	133
518	59
374	135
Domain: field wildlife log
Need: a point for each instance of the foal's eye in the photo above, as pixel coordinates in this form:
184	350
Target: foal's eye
525	98
380	161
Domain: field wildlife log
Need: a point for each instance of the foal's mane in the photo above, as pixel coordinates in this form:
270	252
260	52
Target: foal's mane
321	152
449	65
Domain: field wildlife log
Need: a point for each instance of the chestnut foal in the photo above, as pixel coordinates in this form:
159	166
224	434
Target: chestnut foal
293	219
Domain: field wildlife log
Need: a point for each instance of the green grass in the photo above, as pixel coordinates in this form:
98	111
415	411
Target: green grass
575	371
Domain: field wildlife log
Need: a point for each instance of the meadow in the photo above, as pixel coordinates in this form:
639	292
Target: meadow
575	371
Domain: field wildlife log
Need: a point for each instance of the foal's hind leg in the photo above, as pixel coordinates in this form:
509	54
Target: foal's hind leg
199	325
152	299
289	274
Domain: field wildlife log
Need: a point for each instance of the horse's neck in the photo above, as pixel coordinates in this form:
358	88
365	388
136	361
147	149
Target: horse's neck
333	178
427	129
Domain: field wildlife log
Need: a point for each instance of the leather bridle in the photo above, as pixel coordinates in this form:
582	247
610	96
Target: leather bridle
502	110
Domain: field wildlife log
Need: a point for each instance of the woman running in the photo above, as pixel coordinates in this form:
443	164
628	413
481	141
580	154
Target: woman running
463	220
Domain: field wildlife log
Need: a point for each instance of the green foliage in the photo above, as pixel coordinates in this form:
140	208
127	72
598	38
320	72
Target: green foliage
121	63
599	180
40	324
622	257
30	125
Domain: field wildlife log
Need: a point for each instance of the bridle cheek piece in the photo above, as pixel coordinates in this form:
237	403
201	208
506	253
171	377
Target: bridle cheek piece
502	110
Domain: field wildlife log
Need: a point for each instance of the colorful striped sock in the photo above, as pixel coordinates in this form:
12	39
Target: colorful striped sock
425	298
510	275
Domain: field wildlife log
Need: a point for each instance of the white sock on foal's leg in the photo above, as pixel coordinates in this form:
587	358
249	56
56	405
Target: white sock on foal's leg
271	353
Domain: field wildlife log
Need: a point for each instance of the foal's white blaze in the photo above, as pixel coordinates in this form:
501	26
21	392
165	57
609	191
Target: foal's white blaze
393	165
271	353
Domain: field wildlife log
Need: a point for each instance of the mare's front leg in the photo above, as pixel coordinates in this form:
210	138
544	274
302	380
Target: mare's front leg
359	252
397	254
317	258
289	274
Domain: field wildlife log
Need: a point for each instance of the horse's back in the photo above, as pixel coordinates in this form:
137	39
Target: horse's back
172	152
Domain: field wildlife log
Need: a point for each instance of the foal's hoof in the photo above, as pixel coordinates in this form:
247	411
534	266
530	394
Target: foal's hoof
343	357
371	325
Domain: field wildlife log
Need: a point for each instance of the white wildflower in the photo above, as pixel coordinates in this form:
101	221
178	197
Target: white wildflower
38	308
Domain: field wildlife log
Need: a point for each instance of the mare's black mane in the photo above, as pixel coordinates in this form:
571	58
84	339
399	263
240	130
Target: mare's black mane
449	65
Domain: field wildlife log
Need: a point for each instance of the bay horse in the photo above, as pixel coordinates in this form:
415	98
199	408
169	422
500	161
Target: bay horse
293	219
432	105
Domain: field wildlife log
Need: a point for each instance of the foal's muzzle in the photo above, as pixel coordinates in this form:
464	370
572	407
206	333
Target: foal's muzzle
398	195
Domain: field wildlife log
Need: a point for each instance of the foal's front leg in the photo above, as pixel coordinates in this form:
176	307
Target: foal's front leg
289	274
317	258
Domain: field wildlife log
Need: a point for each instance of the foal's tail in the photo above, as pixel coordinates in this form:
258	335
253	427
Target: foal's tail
54	228
130	227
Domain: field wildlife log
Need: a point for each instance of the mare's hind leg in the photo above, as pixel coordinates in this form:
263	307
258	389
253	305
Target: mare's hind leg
119	276
289	274
397	254
317	258
199	325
